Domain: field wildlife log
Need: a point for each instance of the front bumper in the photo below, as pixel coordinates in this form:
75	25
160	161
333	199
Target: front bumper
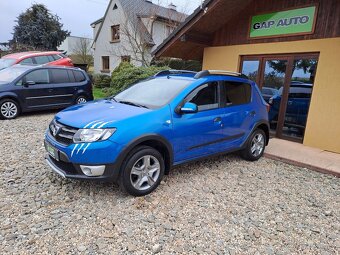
61	164
73	171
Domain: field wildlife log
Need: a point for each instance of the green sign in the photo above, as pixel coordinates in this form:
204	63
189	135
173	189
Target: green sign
283	23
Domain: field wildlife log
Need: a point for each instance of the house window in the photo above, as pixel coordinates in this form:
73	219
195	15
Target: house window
126	59
115	33
105	64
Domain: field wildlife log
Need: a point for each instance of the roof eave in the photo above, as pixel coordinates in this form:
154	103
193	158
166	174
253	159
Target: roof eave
162	47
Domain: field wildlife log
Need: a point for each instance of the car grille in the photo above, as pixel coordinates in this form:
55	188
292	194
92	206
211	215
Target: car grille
62	133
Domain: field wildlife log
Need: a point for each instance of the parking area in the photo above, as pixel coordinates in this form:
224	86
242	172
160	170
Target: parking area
224	205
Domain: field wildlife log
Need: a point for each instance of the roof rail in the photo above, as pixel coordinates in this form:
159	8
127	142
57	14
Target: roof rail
172	71
205	73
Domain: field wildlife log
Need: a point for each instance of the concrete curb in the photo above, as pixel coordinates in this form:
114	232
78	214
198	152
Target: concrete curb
300	164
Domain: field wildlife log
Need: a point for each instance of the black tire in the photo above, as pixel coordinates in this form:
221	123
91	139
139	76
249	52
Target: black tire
135	157
247	152
81	100
13	105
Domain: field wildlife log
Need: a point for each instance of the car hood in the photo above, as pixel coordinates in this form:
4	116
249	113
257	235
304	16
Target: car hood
102	114
4	86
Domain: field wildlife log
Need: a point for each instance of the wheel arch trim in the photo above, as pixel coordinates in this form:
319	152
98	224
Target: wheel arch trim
140	140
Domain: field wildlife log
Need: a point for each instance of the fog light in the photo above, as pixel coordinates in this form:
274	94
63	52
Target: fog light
93	170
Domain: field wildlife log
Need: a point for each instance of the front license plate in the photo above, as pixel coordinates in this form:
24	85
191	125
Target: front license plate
53	152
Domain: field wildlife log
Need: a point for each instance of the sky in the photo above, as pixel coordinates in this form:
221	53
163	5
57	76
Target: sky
76	15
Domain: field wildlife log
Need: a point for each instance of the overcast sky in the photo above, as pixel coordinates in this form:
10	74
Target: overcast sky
76	15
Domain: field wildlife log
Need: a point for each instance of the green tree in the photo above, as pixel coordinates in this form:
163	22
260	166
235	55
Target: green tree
38	28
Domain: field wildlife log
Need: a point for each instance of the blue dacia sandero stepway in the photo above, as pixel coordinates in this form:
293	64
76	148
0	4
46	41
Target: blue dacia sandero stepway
171	118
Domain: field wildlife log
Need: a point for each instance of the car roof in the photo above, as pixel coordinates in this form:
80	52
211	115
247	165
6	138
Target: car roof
210	77
205	75
32	67
21	55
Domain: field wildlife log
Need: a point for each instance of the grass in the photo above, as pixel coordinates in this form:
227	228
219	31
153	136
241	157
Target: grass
98	93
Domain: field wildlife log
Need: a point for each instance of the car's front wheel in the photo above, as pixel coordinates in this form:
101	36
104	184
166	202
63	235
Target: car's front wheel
255	146
9	109
142	171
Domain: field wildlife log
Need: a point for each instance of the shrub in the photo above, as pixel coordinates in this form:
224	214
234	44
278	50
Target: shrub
126	74
101	81
179	64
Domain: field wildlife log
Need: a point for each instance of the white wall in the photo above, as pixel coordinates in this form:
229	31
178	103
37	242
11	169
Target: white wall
70	44
103	46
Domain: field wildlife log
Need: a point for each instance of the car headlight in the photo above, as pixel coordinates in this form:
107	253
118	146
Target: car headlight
93	135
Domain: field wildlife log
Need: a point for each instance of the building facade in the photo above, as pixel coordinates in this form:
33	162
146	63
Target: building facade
290	48
129	31
73	44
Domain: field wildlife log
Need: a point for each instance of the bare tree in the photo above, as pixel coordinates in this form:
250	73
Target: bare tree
136	33
82	51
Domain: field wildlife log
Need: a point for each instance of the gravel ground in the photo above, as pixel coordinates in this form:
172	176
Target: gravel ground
220	206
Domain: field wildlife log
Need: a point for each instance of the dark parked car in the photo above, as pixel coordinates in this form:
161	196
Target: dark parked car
297	106
31	88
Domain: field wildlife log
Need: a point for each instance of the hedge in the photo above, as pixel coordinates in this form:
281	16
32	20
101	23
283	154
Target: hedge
126	75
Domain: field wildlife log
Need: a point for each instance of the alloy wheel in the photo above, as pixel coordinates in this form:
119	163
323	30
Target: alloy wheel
257	145
145	172
9	110
81	100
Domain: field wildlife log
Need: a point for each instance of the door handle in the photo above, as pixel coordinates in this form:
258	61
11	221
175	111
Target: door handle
252	113
218	119
50	90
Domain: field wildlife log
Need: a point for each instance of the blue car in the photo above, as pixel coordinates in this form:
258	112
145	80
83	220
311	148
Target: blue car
135	137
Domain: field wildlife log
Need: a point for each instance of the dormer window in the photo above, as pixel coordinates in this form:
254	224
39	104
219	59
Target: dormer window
115	33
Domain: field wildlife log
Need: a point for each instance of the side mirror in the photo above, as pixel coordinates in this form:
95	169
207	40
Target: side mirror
29	83
189	108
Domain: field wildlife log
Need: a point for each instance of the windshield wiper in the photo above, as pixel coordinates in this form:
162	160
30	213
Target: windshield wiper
112	98
133	104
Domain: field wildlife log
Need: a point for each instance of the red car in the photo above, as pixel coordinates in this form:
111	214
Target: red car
53	58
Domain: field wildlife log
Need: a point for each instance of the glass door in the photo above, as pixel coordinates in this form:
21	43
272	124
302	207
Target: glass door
299	96
286	83
272	84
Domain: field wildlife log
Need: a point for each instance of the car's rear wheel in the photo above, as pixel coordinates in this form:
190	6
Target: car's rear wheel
9	109
81	100
255	146
142	171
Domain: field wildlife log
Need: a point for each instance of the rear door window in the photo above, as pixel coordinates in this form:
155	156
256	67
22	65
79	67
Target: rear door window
71	76
40	60
237	93
59	76
50	58
40	76
79	76
27	61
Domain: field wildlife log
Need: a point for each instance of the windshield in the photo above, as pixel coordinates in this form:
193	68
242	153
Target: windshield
153	93
10	74
6	62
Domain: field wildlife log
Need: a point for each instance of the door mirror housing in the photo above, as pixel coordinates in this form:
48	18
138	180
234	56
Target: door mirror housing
189	108
29	83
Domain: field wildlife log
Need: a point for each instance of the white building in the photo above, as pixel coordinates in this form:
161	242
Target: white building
72	44
129	31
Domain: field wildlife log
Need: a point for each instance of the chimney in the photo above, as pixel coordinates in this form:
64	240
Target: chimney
173	7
